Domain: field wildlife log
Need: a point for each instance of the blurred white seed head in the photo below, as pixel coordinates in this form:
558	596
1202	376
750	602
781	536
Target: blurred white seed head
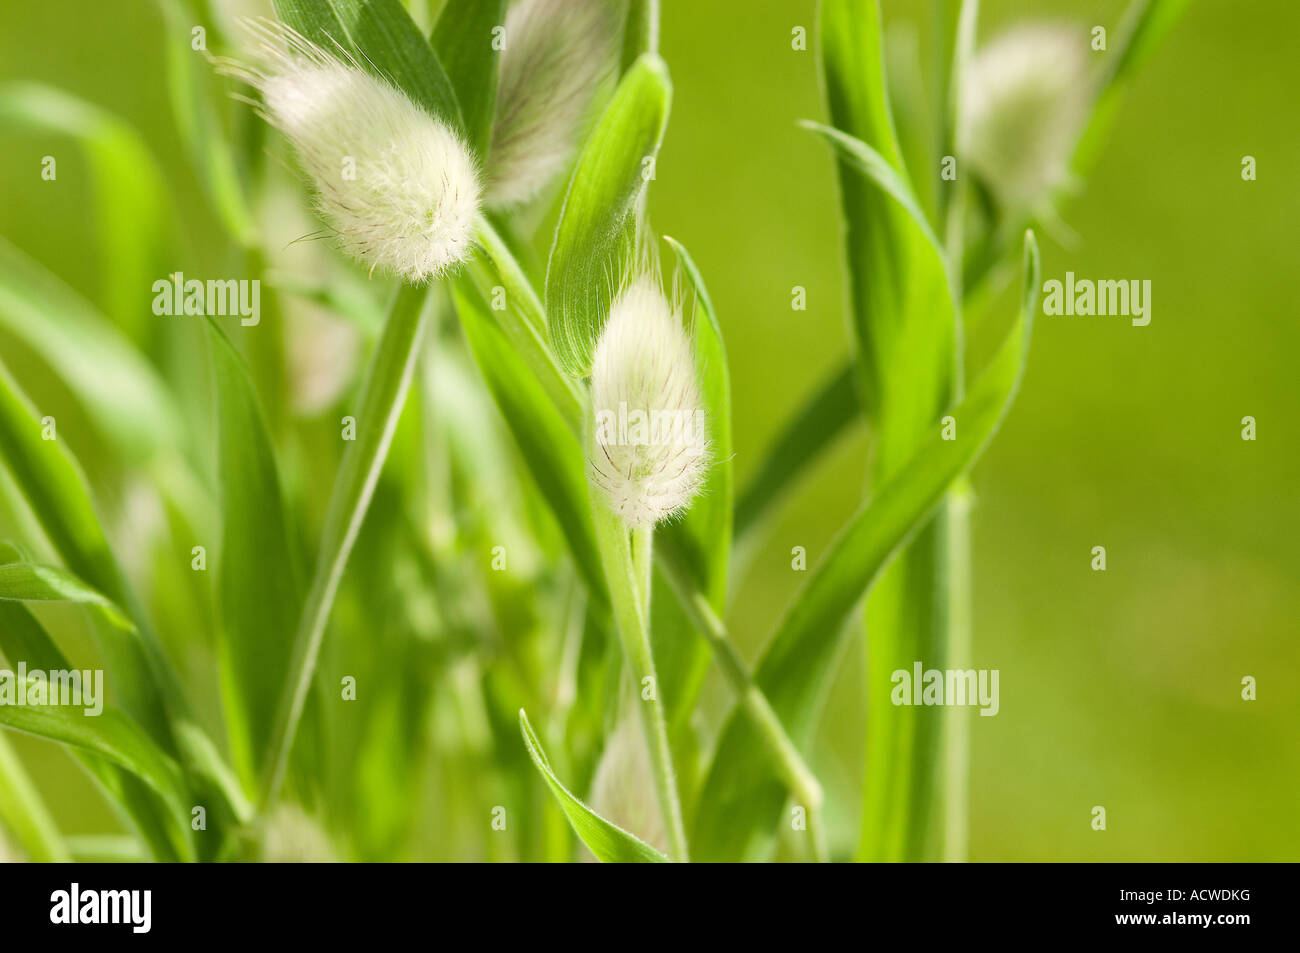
651	449
8	854
397	186
1025	99
293	837
556	54
623	789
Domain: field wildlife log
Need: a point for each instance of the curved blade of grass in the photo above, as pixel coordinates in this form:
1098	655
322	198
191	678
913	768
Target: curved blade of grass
114	736
24	813
257	591
55	489
383	395
524	323
701	539
609	842
827	414
1145	25
23	639
742	797
384	39
30	582
593	239
553	454
118	388
462	39
128	188
193	92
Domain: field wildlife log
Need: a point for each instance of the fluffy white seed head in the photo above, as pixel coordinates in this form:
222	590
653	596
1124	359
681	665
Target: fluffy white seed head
650	449
1025	100
556	54
397	186
623	787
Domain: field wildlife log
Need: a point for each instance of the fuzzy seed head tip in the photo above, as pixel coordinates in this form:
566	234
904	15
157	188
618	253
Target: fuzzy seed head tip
397	185
650	451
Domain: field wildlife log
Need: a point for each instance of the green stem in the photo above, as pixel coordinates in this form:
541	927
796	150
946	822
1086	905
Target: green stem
956	822
796	775
627	573
382	398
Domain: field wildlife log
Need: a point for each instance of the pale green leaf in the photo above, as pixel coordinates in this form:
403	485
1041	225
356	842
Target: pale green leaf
594	239
117	387
742	798
609	842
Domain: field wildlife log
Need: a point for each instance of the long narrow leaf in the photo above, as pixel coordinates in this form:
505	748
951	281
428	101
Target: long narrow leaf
383	395
256	583
381	36
609	842
742	796
551	451
462	39
593	242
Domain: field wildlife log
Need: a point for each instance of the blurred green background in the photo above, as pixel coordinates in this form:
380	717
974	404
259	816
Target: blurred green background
1120	688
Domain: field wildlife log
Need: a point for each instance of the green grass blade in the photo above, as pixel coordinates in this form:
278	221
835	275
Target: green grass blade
383	395
23	639
24	814
56	490
128	190
831	411
113	736
547	444
742	797
593	239
117	387
196	108
524	322
257	590
383	38
609	842
462	39
701	539
1146	23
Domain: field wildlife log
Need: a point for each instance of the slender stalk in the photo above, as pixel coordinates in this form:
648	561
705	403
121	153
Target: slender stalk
383	396
627	564
956	821
796	774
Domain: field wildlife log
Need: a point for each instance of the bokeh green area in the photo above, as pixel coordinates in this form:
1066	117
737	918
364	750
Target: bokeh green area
1119	688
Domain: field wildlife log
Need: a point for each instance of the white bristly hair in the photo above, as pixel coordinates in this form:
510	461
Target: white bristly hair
397	185
650	450
556	54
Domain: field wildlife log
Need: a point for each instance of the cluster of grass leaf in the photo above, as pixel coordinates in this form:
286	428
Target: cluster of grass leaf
371	561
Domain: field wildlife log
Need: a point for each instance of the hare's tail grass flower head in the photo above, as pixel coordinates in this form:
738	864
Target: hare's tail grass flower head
1025	100
650	447
556	54
397	185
